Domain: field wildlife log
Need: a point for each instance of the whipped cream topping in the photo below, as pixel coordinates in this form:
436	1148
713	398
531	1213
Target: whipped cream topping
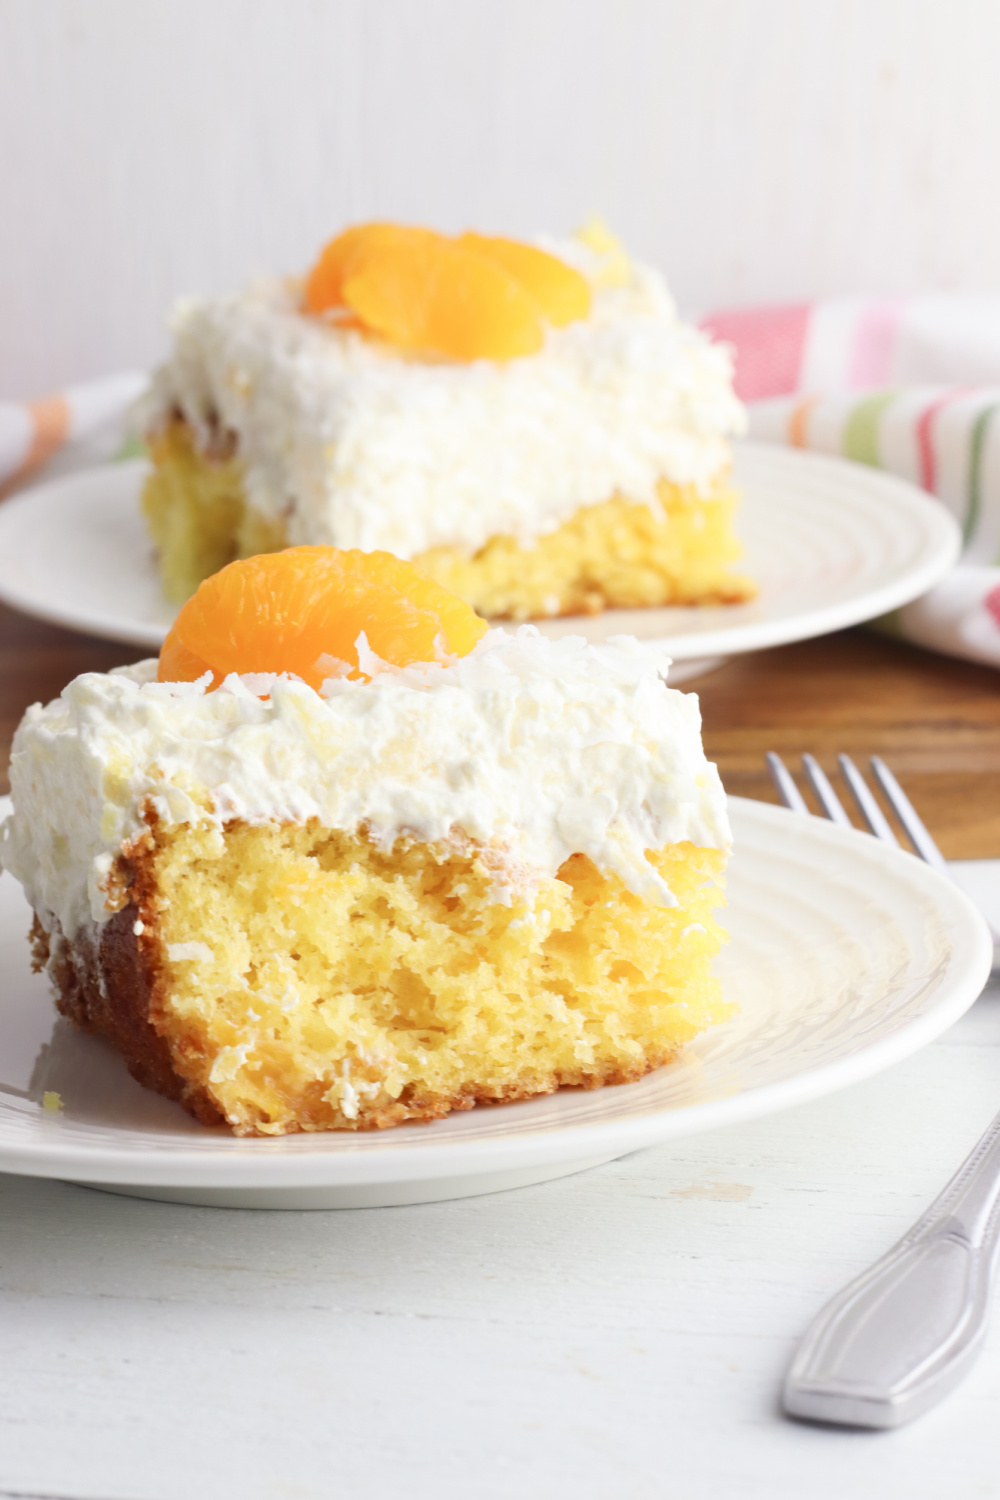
539	749
353	444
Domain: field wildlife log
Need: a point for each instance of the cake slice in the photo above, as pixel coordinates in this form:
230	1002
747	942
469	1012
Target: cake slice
341	860
534	428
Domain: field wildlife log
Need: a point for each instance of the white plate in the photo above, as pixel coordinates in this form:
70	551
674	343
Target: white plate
845	956
831	543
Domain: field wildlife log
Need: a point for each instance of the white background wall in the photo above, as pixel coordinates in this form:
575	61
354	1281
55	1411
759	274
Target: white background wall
756	149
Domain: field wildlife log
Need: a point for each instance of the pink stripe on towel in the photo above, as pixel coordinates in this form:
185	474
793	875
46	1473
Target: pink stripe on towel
769	344
874	342
993	604
925	435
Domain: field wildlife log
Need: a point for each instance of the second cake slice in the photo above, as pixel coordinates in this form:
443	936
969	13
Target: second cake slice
591	472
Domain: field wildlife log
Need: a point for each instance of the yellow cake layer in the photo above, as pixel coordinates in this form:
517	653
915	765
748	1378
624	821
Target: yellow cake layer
196	510
613	555
307	981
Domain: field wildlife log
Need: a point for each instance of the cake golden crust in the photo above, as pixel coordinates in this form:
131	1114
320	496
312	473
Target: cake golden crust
106	988
587	986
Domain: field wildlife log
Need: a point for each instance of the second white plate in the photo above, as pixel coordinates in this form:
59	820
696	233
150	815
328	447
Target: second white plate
831	544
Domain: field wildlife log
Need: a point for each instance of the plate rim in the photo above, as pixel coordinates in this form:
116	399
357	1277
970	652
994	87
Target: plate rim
940	549
244	1163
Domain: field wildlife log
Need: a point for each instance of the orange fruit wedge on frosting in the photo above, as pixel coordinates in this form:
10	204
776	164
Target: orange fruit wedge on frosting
302	610
560	293
438	297
325	283
473	297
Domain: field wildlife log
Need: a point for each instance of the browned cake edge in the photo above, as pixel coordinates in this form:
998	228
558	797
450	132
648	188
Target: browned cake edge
107	980
103	984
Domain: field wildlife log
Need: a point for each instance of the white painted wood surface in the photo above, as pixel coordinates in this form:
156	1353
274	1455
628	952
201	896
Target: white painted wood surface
613	1336
766	150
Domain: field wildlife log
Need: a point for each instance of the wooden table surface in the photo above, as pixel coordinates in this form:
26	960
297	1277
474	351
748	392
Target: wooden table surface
617	1335
936	720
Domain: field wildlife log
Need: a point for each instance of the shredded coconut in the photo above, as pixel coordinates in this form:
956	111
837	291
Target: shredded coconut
535	749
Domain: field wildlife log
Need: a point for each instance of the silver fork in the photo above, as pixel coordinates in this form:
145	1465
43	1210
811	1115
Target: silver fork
903	1334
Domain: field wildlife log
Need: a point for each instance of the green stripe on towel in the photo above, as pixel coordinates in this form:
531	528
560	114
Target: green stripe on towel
974	501
861	429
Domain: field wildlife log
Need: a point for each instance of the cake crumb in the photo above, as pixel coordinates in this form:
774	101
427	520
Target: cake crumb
52	1101
198	953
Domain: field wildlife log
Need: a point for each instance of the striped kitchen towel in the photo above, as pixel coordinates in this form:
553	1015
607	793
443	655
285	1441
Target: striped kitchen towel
912	386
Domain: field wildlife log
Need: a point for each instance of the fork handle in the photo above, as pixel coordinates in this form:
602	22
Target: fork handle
904	1333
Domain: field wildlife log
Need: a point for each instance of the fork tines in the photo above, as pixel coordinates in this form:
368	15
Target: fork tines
863	796
923	845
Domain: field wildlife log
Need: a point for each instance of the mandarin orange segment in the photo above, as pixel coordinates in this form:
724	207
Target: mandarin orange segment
325	284
436	295
301	611
177	663
474	297
559	292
